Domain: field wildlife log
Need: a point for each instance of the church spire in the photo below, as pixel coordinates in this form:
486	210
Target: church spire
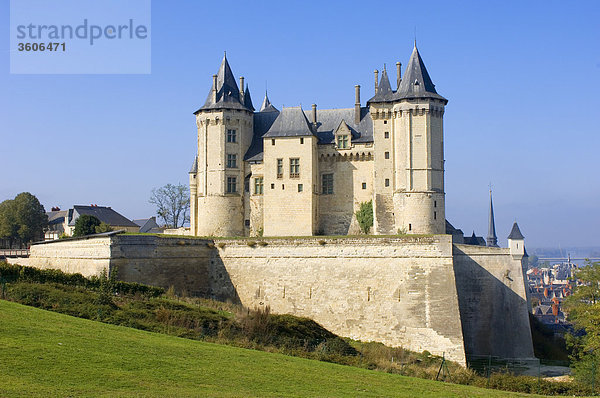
492	239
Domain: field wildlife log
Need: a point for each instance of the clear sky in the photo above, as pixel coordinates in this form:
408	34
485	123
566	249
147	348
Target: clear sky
522	79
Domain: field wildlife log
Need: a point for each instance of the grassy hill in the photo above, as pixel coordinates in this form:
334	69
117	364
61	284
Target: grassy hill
48	354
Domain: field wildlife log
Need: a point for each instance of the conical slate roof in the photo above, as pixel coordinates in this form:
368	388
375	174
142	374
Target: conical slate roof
248	99
384	90
492	239
416	82
228	93
267	106
291	122
515	233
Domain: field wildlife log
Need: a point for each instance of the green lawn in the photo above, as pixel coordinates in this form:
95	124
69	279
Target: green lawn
48	354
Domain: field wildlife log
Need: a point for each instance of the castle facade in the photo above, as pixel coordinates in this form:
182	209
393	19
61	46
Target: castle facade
295	172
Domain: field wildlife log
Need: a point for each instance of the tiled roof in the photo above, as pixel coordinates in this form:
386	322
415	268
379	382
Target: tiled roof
515	232
104	214
291	122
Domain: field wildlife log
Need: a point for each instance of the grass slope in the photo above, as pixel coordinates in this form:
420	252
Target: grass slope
48	354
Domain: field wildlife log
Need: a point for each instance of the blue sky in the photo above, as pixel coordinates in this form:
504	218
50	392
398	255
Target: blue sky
522	79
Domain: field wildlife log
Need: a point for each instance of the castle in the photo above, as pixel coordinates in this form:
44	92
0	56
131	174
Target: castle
256	171
291	173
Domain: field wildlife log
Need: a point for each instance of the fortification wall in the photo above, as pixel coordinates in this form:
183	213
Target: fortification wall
399	291
87	256
493	302
422	293
179	262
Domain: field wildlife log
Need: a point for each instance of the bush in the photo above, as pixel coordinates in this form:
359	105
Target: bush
364	216
86	225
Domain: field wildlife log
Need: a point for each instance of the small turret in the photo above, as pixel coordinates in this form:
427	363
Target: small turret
516	242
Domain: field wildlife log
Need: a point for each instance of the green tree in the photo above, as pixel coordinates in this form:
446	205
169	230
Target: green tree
364	216
172	204
103	227
583	307
86	225
22	219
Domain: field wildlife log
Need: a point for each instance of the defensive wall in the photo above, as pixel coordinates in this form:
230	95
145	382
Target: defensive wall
419	292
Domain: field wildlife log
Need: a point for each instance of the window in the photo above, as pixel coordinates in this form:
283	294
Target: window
301	140
327	184
294	168
387	155
247	184
231	161
300	188
272	186
272	141
258	186
435	203
231	135
231	184
342	141
283	187
247	223
410	227
435	215
387	182
279	168
386	134
385	122
364	185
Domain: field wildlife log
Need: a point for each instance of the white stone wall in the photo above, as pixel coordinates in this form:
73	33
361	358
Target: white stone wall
397	291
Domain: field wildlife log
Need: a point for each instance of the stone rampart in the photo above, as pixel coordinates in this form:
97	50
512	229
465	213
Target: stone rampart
419	292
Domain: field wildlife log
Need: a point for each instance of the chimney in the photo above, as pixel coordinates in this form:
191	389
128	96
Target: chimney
398	74
214	93
357	104
314	115
376	80
242	87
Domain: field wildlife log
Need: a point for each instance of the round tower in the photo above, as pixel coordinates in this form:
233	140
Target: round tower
418	112
225	128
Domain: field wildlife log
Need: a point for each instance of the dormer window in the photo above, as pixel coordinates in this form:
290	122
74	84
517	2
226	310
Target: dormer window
343	136
343	141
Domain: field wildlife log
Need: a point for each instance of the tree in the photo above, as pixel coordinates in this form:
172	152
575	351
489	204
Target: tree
583	307
86	225
103	227
22	219
364	216
172	204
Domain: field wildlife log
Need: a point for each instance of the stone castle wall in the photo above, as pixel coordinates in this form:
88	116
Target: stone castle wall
422	293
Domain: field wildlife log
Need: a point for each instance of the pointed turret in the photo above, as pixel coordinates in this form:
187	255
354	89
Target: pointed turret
492	239
515	233
384	91
416	82
224	93
248	99
267	106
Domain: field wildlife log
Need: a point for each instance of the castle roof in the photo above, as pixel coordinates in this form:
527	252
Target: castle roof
328	120
291	122
384	91
228	93
267	106
263	121
194	168
416	82
515	233
248	99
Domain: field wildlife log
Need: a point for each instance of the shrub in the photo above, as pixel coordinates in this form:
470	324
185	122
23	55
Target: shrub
364	216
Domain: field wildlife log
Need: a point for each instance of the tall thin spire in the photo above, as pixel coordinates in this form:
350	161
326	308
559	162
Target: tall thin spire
492	239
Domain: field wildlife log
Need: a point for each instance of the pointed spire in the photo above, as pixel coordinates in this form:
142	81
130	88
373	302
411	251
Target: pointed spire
266	105
247	99
227	92
384	89
492	239
515	232
416	82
